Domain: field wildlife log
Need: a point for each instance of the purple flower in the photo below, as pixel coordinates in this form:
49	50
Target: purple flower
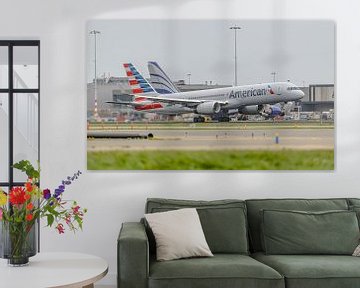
68	181
57	193
46	194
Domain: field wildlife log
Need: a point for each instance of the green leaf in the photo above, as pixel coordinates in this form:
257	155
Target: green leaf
52	211
28	168
79	221
50	219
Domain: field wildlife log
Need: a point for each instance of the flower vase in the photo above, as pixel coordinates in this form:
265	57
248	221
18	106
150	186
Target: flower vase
18	242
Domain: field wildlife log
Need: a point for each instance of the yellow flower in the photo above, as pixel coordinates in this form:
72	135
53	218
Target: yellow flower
3	198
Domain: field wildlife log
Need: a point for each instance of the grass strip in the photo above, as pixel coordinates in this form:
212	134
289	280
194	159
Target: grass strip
212	160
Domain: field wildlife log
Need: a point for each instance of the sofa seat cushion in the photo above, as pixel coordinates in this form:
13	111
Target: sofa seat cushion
314	271
222	270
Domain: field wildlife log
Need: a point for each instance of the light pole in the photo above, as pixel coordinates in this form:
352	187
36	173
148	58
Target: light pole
235	28
96	115
274	76
189	77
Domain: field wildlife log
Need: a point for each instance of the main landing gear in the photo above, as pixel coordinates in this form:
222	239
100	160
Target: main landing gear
224	119
199	119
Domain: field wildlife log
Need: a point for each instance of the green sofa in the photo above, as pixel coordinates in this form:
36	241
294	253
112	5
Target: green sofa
236	234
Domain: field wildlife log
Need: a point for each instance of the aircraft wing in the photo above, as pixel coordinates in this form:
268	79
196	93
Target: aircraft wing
185	102
132	104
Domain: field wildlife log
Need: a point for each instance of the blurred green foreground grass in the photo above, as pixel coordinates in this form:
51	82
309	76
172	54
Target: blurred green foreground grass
212	160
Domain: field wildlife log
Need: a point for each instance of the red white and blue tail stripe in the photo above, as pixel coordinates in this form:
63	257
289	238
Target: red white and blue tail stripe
137	82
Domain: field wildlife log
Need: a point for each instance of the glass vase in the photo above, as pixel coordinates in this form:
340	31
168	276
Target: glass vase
18	242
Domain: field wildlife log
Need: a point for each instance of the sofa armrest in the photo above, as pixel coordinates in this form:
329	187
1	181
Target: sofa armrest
133	256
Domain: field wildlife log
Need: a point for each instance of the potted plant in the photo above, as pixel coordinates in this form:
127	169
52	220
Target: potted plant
21	208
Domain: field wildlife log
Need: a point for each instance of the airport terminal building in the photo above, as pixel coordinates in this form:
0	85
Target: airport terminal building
318	97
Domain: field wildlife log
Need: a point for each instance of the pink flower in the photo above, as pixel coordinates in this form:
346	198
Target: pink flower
76	210
68	219
1	212
60	228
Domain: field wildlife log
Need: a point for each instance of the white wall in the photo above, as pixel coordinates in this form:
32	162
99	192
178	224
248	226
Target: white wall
115	197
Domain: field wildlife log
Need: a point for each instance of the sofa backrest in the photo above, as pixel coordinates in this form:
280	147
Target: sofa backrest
223	221
353	202
256	205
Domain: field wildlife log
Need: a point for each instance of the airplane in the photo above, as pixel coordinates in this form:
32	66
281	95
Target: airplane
247	99
163	85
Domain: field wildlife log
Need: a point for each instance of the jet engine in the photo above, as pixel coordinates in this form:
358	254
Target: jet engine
263	110
208	108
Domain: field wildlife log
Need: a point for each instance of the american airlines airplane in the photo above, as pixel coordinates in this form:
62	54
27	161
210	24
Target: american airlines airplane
162	84
247	99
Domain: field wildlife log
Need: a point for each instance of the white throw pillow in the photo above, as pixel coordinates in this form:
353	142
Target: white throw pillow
178	234
357	251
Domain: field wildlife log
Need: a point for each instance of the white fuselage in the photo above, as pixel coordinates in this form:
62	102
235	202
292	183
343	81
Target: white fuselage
234	97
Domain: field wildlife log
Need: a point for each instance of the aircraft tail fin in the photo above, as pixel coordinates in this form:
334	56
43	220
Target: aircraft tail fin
138	84
160	81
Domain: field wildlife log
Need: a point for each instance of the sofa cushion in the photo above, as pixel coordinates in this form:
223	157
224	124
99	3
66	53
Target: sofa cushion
222	270
254	216
178	234
354	205
313	271
297	232
356	209
224	221
353	201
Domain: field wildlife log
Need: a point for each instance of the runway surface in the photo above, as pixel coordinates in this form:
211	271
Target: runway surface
187	139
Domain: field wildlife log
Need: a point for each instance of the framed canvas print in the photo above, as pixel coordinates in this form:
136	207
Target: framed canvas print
210	94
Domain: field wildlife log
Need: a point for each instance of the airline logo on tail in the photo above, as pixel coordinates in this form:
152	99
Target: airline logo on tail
136	81
139	85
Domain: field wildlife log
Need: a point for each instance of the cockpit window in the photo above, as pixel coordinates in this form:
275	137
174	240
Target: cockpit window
293	88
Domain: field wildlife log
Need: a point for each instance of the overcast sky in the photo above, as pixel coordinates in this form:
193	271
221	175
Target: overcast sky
301	51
